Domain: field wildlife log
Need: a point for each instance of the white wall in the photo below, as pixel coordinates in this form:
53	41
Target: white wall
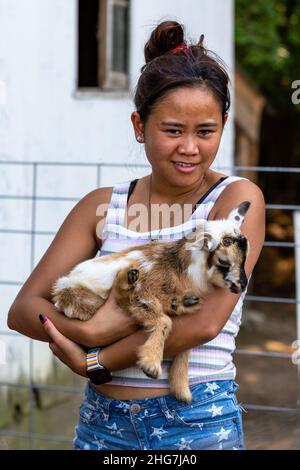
43	117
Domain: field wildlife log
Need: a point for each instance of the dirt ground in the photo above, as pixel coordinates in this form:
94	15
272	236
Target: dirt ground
266	381
270	382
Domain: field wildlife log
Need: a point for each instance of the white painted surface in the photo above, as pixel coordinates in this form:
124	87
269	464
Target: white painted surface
44	118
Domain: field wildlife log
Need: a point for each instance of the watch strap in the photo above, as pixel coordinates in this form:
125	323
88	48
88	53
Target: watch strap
92	361
96	372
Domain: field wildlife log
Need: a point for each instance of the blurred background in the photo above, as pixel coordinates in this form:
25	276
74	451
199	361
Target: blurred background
68	69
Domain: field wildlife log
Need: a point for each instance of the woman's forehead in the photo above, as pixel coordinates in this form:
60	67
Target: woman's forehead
185	103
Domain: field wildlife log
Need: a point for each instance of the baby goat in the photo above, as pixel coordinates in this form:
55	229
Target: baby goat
157	280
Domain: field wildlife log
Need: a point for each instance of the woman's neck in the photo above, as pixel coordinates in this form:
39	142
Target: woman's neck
162	191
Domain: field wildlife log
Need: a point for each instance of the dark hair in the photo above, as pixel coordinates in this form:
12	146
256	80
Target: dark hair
164	71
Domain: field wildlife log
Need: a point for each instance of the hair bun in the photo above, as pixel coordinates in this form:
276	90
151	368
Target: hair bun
164	38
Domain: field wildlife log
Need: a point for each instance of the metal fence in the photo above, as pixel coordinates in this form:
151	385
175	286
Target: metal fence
34	197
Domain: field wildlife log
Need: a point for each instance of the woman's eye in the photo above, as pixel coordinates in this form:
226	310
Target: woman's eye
205	133
201	133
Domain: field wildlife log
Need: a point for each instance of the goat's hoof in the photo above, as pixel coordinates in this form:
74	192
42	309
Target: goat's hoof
132	276
174	304
183	395
153	371
189	300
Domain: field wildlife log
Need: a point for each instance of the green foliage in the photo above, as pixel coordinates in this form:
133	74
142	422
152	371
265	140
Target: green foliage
268	46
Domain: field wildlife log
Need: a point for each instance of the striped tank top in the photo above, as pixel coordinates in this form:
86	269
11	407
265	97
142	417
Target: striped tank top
207	362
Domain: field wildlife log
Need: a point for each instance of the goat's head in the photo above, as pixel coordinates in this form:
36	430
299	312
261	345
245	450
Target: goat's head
227	249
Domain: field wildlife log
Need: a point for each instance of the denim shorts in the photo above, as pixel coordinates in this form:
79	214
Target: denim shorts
212	421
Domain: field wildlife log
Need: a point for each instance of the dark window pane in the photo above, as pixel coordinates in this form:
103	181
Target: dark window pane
120	38
87	43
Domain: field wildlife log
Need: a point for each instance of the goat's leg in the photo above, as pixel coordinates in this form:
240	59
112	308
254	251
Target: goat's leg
76	302
188	302
151	353
126	279
178	377
189	299
150	315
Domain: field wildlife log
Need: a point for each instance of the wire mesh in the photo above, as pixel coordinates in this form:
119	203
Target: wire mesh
33	232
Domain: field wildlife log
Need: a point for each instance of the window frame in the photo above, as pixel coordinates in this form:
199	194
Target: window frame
109	79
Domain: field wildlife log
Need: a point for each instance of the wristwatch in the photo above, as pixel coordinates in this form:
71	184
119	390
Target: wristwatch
96	372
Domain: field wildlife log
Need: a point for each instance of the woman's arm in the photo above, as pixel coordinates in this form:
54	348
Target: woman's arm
198	328
122	354
23	317
95	332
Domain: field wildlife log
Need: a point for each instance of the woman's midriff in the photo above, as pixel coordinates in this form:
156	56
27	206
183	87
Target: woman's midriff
117	392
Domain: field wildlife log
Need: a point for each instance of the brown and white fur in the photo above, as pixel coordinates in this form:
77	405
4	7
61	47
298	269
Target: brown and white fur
158	280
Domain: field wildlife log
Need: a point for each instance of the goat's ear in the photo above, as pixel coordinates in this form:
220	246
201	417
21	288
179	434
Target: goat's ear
208	242
238	214
200	238
205	242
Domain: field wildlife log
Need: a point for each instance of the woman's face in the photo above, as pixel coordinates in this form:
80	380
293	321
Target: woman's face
182	135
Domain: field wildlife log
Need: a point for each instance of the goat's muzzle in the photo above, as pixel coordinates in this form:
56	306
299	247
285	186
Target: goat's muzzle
240	286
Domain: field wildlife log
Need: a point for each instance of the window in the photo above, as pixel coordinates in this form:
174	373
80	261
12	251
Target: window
103	44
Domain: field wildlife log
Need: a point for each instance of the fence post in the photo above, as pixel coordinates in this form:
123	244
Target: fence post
297	273
297	268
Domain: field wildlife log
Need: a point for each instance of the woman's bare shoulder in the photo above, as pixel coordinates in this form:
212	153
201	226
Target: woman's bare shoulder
88	204
253	226
235	193
98	196
93	207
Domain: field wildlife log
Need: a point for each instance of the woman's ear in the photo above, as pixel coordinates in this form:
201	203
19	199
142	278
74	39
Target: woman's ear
138	126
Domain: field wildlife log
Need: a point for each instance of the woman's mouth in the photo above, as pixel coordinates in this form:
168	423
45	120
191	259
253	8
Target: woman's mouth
185	167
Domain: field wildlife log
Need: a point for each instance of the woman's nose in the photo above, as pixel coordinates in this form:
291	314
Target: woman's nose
188	146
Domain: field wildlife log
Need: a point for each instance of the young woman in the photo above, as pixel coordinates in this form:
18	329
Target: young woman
182	102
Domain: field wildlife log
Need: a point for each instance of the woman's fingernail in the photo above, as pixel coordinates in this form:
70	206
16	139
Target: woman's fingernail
42	319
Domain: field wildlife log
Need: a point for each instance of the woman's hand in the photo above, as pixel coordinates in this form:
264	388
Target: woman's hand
67	351
109	324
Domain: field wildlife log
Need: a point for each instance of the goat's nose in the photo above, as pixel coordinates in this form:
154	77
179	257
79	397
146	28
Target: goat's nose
234	288
242	286
238	287
244	283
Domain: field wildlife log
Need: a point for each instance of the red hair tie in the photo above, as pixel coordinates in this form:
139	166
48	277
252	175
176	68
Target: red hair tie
182	49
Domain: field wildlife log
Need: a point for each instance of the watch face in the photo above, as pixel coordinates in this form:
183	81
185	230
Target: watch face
99	376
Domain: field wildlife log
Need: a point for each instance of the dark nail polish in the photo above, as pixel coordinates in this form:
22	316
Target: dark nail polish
42	319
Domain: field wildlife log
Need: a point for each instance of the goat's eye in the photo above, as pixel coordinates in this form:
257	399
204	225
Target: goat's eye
227	241
224	263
